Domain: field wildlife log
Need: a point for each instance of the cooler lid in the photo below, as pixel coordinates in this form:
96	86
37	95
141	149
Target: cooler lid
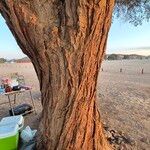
8	131
12	119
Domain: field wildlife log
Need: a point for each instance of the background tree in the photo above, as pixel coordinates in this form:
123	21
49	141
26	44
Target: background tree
133	11
126	57
2	60
66	41
113	57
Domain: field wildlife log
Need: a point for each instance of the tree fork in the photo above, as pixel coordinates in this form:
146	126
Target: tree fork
65	41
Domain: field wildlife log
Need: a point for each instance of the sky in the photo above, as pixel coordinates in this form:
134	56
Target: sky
123	38
8	46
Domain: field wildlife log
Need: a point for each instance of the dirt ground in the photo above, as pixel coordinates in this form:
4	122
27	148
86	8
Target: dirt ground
29	74
123	97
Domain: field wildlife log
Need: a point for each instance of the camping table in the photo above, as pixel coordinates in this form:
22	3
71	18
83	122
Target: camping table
15	93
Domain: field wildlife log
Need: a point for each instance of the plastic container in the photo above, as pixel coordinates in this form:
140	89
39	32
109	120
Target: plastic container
14	120
27	134
9	137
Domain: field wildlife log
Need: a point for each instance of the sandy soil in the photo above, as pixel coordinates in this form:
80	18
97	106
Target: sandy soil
123	98
31	79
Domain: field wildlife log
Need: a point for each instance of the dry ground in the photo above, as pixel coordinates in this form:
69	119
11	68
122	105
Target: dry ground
123	98
31	79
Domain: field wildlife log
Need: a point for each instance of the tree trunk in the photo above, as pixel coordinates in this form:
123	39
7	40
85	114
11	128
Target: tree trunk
66	41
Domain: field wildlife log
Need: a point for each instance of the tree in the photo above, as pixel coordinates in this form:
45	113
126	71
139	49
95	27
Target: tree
133	11
65	41
113	57
126	57
2	60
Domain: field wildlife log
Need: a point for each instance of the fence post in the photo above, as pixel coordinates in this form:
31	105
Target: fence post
142	71
120	69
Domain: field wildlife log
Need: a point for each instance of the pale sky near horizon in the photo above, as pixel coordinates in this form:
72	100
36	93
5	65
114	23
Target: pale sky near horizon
122	38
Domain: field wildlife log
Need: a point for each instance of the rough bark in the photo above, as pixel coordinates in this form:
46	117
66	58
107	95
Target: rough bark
66	41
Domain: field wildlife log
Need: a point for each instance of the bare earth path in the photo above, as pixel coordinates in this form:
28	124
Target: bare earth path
124	97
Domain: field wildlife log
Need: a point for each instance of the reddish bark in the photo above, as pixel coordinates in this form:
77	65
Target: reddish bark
65	41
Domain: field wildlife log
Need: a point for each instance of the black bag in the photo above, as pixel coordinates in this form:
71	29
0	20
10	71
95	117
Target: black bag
21	109
16	88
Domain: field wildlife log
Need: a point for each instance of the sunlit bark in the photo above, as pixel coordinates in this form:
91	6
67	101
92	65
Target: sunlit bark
66	41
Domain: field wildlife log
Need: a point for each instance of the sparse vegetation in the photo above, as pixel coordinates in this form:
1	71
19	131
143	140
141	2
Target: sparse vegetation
121	57
2	60
113	57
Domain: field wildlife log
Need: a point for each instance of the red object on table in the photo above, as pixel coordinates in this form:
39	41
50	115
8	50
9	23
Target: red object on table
8	89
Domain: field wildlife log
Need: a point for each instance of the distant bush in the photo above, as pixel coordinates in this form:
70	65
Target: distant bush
148	57
113	57
2	60
126	57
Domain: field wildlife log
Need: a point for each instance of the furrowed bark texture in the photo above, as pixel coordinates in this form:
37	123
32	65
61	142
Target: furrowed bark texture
66	41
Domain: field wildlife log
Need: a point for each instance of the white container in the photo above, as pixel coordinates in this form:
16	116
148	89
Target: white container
14	82
14	120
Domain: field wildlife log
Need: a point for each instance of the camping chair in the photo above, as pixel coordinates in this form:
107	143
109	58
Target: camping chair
14	75
20	78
